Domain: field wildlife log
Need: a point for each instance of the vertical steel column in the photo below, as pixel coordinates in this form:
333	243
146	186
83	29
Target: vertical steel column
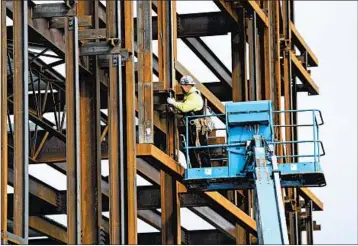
276	98
170	204
309	223
21	121
239	88
266	43
145	71
130	147
91	202
116	152
252	36
238	46
287	73
299	221
166	61
3	118
73	144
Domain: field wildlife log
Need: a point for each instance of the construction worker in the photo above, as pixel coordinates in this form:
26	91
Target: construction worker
193	104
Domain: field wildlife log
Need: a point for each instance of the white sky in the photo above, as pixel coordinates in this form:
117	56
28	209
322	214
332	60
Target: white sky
330	29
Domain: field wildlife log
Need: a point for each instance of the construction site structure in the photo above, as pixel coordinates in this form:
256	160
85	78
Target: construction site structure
107	107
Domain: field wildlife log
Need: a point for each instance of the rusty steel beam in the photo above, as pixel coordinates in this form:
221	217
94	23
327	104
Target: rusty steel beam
208	57
238	47
21	115
304	76
301	44
145	72
117	139
276	97
267	44
287	75
240	91
3	120
129	128
49	228
189	25
170	205
90	132
73	144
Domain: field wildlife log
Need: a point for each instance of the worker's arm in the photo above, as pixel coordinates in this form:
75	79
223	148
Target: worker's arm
193	101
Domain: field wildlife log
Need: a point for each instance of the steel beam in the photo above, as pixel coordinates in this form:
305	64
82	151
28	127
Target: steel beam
145	74
170	206
49	228
238	47
298	41
90	145
130	127
276	97
287	75
189	25
304	76
21	115
117	138
267	47
208	57
49	10
252	37
3	119
73	144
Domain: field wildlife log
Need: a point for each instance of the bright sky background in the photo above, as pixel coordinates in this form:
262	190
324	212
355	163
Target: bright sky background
330	29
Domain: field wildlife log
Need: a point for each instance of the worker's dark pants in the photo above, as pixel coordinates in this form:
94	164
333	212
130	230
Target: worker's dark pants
204	154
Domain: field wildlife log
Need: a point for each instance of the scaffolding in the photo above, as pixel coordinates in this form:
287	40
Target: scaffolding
107	107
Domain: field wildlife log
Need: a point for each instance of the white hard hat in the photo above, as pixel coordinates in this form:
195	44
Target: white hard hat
187	80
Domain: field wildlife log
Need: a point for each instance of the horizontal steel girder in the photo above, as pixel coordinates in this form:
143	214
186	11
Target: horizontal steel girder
189	25
148	198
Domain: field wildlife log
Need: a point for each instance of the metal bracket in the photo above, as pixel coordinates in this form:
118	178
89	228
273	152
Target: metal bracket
50	10
89	34
114	41
103	48
59	22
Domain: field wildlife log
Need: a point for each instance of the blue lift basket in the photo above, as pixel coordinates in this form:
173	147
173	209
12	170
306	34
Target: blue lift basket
245	121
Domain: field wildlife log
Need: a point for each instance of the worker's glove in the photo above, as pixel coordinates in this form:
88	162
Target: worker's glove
170	100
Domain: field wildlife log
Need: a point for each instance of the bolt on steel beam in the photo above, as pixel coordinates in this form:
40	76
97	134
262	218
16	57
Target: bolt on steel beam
3	119
145	72
73	144
21	115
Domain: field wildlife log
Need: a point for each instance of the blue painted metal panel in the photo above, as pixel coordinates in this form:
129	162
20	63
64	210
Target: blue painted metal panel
207	173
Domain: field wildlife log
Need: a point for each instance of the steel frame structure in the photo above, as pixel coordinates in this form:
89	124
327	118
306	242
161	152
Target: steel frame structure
97	44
